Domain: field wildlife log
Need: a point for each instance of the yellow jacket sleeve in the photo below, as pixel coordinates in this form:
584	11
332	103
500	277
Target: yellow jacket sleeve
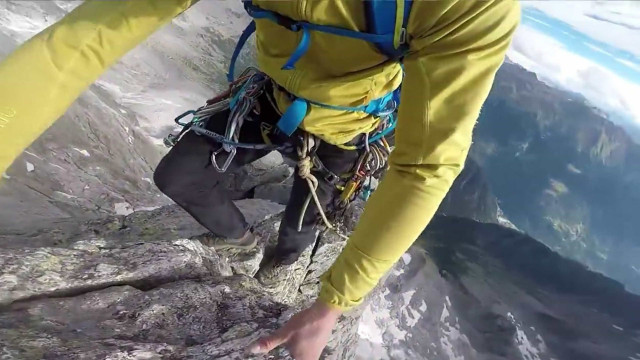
456	52
41	79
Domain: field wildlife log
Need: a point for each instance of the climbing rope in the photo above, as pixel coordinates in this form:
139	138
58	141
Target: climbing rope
370	164
305	165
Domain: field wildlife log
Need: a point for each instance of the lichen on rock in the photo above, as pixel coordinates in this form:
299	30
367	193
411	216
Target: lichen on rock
142	286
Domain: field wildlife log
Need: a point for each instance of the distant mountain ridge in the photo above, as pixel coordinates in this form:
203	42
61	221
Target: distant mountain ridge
562	172
472	290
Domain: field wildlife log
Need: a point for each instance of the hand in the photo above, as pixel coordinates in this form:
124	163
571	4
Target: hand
304	335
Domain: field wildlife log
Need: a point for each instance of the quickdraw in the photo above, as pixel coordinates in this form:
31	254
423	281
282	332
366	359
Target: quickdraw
370	165
241	98
372	162
241	103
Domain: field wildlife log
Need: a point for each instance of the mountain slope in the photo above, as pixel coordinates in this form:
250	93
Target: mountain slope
562	172
470	290
98	159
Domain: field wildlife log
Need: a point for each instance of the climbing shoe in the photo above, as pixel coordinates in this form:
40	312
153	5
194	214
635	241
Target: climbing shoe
246	242
272	273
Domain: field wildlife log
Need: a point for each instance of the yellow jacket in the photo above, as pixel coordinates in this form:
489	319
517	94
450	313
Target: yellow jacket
456	48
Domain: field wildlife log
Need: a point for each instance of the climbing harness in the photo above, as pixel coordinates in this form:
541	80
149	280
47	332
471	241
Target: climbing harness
387	33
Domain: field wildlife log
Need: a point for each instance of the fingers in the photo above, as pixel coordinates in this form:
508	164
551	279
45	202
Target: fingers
269	342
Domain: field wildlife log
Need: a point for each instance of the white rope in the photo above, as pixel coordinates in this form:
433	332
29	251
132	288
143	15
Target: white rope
305	165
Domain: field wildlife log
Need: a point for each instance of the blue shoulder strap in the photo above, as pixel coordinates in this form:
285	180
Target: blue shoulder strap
388	33
379	21
248	31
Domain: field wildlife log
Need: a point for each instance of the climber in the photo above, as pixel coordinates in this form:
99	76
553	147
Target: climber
199	188
326	81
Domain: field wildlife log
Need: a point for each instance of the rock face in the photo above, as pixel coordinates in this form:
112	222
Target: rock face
209	318
98	159
143	287
470	196
275	192
52	272
260	175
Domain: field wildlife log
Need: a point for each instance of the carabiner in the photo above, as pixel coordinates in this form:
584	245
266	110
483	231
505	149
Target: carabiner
225	166
183	115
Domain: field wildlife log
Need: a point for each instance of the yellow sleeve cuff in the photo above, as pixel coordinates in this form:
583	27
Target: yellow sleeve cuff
356	273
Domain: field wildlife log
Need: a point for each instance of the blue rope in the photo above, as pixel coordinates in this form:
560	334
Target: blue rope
248	31
301	49
296	26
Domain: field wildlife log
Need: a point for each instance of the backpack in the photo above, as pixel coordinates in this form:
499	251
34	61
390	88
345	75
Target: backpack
387	33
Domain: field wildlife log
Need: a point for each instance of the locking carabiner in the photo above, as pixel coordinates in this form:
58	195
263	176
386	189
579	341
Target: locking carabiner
227	162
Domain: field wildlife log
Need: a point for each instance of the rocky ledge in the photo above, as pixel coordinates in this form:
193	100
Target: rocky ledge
142	286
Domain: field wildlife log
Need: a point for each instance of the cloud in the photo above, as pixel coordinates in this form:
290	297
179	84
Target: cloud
591	48
560	67
613	22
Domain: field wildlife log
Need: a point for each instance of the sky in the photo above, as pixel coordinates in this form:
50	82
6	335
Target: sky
588	47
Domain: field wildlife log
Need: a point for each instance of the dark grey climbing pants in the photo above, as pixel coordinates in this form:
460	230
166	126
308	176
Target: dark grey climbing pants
187	176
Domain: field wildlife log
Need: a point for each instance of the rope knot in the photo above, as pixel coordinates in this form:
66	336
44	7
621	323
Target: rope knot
304	167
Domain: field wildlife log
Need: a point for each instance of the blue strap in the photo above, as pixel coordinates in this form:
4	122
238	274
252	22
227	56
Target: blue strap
258	13
372	38
292	118
392	125
293	25
304	43
381	16
377	107
338	107
380	106
248	31
301	49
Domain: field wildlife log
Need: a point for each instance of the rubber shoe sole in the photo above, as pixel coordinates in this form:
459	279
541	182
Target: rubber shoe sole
247	242
248	246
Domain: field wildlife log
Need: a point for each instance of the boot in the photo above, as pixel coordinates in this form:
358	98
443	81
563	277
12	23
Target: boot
247	242
272	273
